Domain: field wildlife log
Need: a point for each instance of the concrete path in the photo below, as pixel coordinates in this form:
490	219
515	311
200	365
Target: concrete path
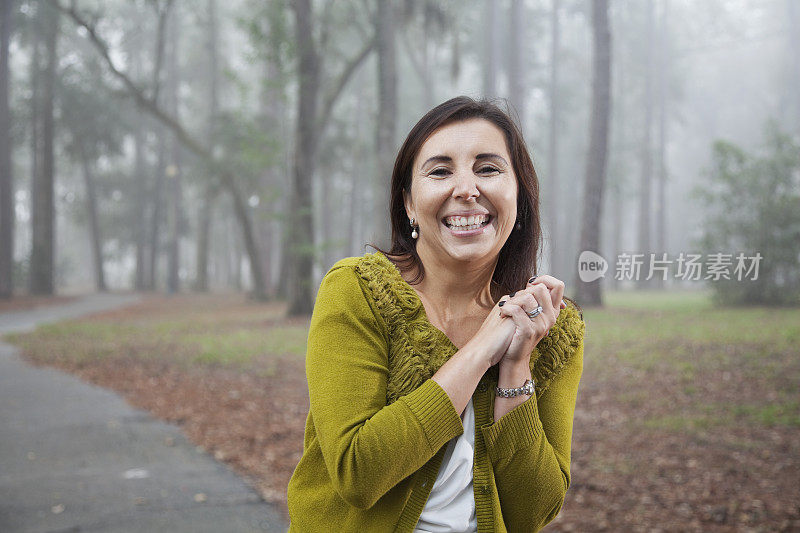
75	457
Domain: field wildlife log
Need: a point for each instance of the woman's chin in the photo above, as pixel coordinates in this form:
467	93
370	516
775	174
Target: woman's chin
467	250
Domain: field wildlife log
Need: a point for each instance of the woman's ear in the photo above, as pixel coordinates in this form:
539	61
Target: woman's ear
408	203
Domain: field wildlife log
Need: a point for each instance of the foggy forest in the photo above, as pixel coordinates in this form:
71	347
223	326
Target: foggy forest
178	176
191	146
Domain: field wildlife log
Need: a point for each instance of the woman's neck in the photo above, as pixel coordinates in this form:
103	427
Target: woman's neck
455	289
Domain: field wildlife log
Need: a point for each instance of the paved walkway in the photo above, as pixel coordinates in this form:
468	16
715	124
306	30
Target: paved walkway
75	457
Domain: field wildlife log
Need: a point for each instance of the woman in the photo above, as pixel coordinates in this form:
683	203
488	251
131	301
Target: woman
442	380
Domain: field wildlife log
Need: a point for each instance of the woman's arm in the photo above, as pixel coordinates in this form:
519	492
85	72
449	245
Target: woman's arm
368	446
530	450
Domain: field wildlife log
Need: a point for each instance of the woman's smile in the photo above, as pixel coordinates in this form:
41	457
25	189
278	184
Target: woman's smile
466	226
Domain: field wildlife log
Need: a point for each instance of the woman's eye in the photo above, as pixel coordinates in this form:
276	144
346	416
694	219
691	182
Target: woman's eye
439	172
488	169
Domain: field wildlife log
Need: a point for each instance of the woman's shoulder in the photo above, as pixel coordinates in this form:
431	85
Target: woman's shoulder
378	278
382	286
377	273
345	262
344	294
370	263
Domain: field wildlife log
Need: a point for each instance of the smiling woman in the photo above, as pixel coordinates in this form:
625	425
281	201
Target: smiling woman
442	376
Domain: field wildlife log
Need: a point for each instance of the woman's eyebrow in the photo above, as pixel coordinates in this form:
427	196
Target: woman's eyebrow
491	156
437	159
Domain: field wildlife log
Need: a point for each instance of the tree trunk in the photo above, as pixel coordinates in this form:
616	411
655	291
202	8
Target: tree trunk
794	46
356	180
140	175
645	197
174	170
36	111
175	218
235	258
387	119
204	216
325	224
556	243
42	262
91	211
589	293
617	182
491	51
516	73
663	81
156	202
273	110
209	192
301	236
6	178
311	122
429	88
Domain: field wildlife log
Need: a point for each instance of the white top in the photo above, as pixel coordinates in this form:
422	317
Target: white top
451	504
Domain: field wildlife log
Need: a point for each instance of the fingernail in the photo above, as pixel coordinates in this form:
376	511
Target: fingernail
501	303
512	294
533	278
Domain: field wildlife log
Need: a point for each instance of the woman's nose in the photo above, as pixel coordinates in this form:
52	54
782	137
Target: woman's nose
465	185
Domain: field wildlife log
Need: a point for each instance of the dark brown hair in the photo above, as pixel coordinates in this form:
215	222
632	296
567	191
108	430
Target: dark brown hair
517	261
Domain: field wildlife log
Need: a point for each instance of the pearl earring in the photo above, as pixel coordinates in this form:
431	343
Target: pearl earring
414	233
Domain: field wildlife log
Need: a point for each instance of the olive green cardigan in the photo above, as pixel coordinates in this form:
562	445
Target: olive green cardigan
378	425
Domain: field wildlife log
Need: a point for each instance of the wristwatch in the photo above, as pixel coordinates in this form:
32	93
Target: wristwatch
527	388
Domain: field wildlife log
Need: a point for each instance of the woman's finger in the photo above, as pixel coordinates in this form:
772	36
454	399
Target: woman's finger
528	300
520	317
525	299
542	296
554	285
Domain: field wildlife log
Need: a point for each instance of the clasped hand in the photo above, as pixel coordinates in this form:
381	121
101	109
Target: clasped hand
509	333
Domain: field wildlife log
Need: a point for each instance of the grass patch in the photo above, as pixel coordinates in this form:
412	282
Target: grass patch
682	332
222	332
708	416
651	300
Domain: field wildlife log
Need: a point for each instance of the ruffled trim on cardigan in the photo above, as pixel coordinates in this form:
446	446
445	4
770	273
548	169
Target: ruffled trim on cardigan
419	348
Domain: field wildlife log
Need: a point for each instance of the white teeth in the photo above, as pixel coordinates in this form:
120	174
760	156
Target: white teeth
470	222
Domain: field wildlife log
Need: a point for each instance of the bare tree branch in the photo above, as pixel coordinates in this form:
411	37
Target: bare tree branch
137	93
347	72
415	61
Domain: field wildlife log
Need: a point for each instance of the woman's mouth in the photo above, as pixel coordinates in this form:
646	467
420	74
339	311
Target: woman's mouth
471	225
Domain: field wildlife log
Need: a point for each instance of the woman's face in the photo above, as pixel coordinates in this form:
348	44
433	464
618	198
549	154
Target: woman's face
463	192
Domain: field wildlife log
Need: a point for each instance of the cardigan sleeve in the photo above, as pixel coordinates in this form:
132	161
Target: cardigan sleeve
530	448
367	446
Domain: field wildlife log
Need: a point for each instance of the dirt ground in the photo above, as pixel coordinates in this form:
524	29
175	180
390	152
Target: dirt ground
626	476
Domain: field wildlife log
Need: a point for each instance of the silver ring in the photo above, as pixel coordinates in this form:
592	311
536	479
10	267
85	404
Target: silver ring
536	312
